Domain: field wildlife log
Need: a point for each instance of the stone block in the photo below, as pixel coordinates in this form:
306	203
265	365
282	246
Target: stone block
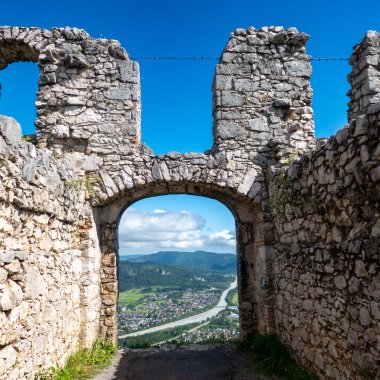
6	256
340	282
365	318
230	130
232	100
361	126
298	68
259	124
35	284
7	299
123	92
129	71
9	356
13	267
10	129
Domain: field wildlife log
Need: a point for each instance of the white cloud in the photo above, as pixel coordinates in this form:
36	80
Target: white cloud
146	232
222	237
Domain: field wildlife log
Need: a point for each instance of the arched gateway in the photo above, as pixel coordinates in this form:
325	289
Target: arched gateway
254	239
307	214
253	128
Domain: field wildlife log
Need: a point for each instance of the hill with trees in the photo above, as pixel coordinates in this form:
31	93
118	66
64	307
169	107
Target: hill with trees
144	275
199	261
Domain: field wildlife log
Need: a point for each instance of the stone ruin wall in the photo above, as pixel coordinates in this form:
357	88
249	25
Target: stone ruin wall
252	127
262	95
301	225
326	273
49	264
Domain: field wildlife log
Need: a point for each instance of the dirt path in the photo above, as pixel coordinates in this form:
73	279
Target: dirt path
190	362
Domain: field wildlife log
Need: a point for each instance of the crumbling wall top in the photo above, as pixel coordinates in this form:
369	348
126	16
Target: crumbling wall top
262	95
89	95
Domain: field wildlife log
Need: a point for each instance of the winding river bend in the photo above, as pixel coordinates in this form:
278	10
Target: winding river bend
197	318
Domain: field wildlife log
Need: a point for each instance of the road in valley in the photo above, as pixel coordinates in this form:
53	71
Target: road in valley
197	318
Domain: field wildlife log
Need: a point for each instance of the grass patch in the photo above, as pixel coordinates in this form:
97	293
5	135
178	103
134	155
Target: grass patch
132	296
83	364
274	359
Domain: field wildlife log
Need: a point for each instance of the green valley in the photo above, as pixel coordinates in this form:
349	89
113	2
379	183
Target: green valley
158	292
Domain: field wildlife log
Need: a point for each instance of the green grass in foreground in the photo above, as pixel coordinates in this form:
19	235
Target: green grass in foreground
273	358
83	364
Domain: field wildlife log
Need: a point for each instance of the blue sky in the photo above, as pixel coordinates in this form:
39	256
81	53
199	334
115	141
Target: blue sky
176	96
177	223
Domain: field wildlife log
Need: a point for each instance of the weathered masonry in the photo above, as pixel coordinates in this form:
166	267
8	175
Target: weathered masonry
307	212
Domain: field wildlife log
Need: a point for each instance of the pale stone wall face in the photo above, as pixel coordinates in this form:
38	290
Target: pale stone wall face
49	260
307	231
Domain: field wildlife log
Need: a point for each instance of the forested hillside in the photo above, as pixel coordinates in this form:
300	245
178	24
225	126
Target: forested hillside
199	261
142	275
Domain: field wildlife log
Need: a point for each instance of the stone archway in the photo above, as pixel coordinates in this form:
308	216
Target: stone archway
253	253
89	117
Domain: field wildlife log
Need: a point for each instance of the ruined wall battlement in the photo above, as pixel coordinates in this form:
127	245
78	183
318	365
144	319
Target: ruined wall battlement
327	219
89	96
262	95
307	212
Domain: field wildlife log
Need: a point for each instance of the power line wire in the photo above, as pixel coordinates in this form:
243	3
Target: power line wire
202	58
328	59
175	58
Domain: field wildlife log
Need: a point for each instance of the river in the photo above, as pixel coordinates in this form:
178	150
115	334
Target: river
197	318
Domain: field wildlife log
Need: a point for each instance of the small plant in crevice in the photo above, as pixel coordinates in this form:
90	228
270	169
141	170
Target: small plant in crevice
274	359
83	183
44	375
75	184
83	364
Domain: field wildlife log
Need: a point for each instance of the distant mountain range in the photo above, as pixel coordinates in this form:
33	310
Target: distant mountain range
199	261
